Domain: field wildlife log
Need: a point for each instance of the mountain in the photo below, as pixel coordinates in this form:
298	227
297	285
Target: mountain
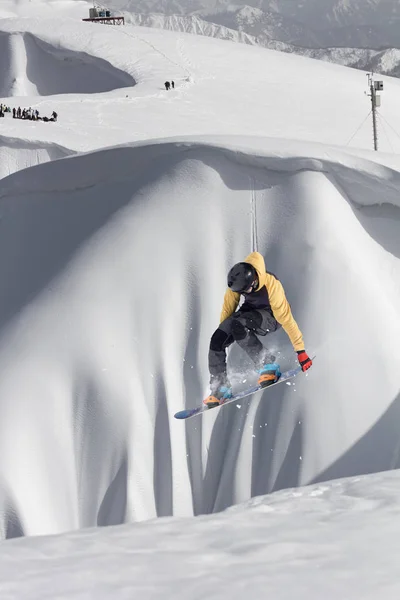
379	61
362	35
191	24
371	24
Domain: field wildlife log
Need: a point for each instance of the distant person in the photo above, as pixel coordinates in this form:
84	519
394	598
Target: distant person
54	116
173	84
264	310
167	85
14	113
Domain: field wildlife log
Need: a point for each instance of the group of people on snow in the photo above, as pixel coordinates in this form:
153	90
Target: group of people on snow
30	114
169	84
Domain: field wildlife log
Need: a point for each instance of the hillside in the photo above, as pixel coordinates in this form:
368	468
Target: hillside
115	259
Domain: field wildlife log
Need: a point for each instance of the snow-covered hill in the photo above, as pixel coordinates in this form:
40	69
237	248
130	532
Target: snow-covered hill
361	35
115	260
205	72
338	540
358	46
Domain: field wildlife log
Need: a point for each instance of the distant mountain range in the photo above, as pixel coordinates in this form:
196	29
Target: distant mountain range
309	23
386	61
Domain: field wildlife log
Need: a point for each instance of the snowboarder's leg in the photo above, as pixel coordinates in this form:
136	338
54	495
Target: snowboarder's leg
245	328
219	384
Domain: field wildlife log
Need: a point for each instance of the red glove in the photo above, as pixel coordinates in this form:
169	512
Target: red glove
304	360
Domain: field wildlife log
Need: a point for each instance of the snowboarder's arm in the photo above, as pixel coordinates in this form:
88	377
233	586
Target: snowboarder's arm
231	301
282	313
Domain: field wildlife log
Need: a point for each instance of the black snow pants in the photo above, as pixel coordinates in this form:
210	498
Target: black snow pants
242	327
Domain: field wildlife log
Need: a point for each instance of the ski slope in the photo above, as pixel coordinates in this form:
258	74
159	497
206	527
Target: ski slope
114	250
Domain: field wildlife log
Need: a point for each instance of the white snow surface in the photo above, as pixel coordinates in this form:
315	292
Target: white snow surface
113	256
334	540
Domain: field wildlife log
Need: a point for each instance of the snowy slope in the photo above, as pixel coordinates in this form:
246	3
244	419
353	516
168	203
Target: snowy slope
342	33
385	61
16	154
120	274
115	264
205	72
337	540
311	23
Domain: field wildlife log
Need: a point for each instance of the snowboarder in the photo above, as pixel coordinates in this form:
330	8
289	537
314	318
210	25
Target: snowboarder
167	85
264	310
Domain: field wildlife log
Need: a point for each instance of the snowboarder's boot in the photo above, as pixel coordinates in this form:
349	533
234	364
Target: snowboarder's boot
269	374
222	393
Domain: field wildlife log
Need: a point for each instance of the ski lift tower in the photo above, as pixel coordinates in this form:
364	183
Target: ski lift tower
374	86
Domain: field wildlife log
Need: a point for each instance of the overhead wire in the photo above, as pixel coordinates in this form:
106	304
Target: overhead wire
380	119
358	129
389	125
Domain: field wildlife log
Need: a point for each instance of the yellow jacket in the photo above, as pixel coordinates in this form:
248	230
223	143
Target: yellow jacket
279	304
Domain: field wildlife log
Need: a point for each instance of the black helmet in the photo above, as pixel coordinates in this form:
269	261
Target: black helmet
241	277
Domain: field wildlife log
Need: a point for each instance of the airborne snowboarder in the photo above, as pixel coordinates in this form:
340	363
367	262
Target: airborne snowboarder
264	310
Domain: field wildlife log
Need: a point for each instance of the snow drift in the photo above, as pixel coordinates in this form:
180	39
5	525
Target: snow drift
115	265
16	155
31	67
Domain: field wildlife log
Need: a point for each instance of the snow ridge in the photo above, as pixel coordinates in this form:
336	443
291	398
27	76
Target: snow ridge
107	345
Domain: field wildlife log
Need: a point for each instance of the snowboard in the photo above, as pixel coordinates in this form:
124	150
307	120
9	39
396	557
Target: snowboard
193	412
